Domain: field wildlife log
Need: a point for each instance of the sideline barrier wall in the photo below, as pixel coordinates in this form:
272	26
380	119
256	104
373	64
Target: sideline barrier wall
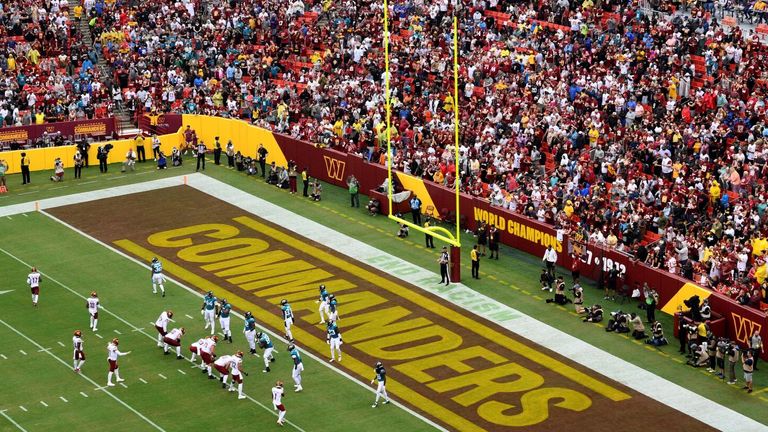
517	231
101	126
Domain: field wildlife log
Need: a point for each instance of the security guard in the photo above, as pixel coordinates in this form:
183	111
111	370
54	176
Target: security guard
475	255
25	169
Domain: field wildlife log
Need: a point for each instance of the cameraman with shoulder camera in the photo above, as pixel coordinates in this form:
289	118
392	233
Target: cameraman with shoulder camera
717	353
732	350
748	363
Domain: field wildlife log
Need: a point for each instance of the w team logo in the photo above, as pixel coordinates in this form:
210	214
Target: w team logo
334	168
744	328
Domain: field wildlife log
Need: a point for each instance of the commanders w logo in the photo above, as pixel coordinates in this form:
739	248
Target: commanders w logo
334	168
744	328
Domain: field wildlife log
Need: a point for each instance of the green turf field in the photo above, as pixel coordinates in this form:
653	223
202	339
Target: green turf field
512	280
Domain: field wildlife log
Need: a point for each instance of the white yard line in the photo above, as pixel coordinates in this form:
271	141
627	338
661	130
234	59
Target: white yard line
66	365
13	422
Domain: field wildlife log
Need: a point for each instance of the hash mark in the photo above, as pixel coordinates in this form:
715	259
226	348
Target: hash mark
84	395
23	352
44	404
142	380
61	344
3	356
99	336
22	408
62	398
161	376
123	384
182	372
117	331
188	316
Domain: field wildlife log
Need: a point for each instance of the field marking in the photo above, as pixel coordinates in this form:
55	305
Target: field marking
99	336
66	365
85	395
189	316
13	422
22	408
142	380
57	187
44	350
181	371
87	182
23	352
3	356
63	399
59	342
118	331
44	404
161	376
139	329
123	384
237	314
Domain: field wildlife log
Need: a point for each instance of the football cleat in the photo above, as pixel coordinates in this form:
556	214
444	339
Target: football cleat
211	377
266	369
272	360
166	353
179	357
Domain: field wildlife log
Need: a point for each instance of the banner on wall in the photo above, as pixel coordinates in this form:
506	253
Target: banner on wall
18	136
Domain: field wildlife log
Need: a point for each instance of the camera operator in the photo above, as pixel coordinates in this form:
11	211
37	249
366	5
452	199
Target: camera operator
732	350
748	363
658	338
594	314
546	280
560	297
702	331
715	354
638	329
651	300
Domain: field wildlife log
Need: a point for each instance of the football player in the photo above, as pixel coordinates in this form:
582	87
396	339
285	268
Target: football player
113	353
333	308
277	401
333	338
33	280
237	372
162	326
298	367
157	276
222	365
250	331
266	344
225	309
78	356
173	338
381	390
323	301
287	318
92	304
195	349
208	310
208	353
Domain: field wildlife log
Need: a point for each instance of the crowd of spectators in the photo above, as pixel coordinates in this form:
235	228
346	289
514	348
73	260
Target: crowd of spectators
645	133
47	71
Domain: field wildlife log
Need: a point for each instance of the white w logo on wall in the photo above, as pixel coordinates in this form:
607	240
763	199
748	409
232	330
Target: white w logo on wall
744	328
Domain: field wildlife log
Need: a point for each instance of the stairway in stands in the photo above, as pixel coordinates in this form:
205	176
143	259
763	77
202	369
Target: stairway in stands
125	124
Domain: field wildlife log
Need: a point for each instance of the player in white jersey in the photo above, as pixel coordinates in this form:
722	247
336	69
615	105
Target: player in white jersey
92	304
33	280
78	357
222	366
173	338
237	372
194	348
157	276
162	325
277	401
112	355
208	353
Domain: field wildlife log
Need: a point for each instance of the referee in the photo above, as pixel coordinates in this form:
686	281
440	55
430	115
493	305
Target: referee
201	149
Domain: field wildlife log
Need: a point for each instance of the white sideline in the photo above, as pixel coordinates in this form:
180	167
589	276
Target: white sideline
13	422
66	365
136	329
641	380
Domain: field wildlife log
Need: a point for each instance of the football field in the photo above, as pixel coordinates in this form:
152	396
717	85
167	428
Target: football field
455	359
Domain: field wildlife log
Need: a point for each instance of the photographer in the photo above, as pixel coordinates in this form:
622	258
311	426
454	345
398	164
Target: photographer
716	352
79	162
658	338
578	298
732	350
560	297
58	170
638	329
102	153
546	280
748	364
651	300
130	160
699	355
618	322
594	314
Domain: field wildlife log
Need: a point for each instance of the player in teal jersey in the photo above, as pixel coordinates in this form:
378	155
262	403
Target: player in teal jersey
287	318
209	311
298	367
333	338
381	378
323	301
266	344
157	276
250	331
225	309
333	308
